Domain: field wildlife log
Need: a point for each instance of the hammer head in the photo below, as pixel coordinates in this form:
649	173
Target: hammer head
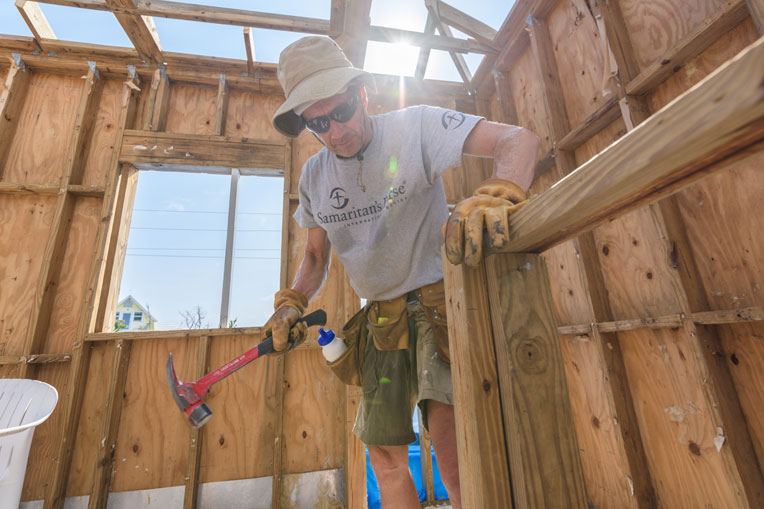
187	398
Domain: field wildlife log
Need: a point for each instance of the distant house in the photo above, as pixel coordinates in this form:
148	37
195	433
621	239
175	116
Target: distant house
131	315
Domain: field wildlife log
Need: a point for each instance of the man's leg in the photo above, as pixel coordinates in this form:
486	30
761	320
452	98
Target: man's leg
440	421
391	466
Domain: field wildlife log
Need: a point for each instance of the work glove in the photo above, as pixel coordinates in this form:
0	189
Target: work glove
488	208
283	325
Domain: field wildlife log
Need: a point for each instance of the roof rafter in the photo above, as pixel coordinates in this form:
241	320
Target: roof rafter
462	21
35	19
139	29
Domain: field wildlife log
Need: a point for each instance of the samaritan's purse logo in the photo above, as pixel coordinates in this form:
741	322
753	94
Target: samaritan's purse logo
338	198
452	120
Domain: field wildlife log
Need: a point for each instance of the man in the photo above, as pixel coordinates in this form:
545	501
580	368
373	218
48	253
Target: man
375	194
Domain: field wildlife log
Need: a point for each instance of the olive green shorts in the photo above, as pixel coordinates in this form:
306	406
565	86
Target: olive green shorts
394	381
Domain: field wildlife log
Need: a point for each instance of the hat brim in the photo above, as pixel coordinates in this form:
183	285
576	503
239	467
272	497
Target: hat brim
315	87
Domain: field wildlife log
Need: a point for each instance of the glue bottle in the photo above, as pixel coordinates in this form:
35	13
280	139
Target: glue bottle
331	346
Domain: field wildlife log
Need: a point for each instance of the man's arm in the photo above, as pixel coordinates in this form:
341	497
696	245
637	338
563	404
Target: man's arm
315	263
514	150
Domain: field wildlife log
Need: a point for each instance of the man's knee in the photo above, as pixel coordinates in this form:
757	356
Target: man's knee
389	460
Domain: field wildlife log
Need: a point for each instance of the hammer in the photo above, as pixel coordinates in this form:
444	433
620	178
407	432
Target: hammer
189	396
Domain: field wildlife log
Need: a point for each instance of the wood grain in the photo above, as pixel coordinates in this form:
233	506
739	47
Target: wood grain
192	109
543	451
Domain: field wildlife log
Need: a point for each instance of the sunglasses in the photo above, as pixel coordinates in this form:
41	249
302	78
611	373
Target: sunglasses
341	114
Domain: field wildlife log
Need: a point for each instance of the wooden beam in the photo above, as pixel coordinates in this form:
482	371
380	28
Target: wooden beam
712	126
11	101
506	100
86	191
112	413
159	100
200	150
337	17
543	449
756	9
139	29
43	358
482	449
35	20
425	459
690	46
249	47
463	22
221	106
13	188
442	42
204	13
71	401
354	38
191	485
424	53
457	59
83	126
605	115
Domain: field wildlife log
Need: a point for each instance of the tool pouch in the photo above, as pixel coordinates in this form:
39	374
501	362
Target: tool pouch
433	300
388	323
348	367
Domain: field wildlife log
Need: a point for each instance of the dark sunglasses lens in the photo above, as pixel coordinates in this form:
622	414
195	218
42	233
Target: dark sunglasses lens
318	124
343	112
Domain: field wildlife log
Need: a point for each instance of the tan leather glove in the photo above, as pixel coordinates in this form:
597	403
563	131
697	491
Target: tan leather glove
289	306
488	208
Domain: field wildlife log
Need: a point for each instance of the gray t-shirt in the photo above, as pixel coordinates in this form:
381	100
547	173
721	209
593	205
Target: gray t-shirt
388	237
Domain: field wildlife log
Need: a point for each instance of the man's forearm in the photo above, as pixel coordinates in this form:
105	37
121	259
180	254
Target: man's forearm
311	274
515	156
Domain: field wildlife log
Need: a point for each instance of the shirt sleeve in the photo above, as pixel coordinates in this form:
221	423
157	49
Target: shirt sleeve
444	132
304	213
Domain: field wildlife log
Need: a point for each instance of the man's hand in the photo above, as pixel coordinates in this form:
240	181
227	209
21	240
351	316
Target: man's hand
489	207
289	306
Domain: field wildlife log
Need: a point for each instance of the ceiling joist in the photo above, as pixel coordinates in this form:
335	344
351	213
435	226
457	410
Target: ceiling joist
35	20
139	29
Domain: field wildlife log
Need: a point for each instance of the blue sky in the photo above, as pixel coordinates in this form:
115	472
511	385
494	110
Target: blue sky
177	238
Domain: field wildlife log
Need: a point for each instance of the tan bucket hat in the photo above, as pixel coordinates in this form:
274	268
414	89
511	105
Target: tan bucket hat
311	69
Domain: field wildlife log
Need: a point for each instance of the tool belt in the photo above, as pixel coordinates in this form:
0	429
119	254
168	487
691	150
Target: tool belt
387	320
433	299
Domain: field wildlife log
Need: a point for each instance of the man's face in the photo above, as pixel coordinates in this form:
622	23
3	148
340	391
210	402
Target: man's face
344	139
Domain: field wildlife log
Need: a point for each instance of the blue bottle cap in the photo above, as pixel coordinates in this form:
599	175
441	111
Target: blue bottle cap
325	337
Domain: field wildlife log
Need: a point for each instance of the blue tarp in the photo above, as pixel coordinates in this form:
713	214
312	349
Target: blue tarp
372	488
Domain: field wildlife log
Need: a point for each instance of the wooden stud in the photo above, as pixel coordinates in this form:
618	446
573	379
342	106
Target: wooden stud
221	108
110	427
337	17
756	9
197	434
445	41
458	59
11	101
543	450
482	450
463	22
228	257
424	53
249	46
690	46
506	100
83	126
605	115
159	99
35	20
139	29
71	401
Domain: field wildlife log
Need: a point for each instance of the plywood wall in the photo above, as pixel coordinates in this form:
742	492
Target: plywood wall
721	217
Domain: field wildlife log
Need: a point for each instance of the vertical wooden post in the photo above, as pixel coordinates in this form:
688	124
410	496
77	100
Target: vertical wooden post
543	450
159	97
482	450
756	8
197	434
221	108
355	450
11	101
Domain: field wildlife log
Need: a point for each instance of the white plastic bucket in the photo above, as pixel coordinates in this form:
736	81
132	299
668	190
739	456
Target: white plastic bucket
23	405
